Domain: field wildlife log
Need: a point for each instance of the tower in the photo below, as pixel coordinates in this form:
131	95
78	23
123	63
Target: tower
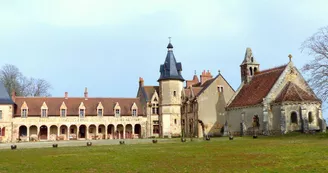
170	89
249	66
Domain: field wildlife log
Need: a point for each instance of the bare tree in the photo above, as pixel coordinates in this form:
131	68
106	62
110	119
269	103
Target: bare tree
317	46
14	80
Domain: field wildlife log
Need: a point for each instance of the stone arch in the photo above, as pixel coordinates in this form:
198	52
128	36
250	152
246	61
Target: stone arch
43	132
22	132
137	130
101	131
251	71
111	131
128	131
63	132
53	132
33	133
82	131
72	132
119	131
92	131
293	117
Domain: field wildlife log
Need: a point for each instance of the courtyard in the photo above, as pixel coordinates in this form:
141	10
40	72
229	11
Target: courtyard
290	153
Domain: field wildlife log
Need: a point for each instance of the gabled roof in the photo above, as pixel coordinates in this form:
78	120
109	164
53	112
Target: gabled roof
292	92
150	90
72	103
4	96
170	70
252	93
192	91
206	84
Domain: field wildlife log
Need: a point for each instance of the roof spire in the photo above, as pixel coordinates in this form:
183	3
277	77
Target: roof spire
195	72
290	57
170	46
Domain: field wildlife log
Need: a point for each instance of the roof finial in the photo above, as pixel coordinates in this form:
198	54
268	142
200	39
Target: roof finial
170	39
219	71
195	72
290	57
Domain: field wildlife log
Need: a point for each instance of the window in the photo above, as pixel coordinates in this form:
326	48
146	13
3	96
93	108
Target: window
24	113
183	121
134	112
293	117
251	71
220	89
175	121
155	109
310	117
155	129
82	113
117	112
62	131
63	112
174	93
44	113
0	114
100	112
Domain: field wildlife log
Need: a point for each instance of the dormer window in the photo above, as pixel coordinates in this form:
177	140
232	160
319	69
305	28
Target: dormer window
63	112
24	113
134	112
100	112
82	113
44	113
117	112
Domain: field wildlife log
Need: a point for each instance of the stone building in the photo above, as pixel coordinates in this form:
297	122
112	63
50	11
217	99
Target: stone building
156	111
276	100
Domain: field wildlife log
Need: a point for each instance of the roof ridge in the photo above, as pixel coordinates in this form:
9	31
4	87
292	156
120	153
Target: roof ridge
270	69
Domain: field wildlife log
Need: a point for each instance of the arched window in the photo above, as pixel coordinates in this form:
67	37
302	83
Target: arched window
293	117
255	70
310	117
174	93
252	59
251	71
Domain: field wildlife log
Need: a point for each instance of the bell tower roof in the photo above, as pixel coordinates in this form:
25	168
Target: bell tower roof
249	58
171	69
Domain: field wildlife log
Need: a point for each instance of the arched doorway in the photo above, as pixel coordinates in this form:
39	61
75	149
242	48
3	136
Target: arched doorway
82	131
63	132
293	118
128	131
101	131
22	132
43	132
33	133
137	130
92	131
110	131
73	132
119	131
53	132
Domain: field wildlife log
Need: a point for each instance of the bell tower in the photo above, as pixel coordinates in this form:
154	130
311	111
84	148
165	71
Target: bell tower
249	67
170	89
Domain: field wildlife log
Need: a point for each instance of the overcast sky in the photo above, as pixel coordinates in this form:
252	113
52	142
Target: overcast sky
107	45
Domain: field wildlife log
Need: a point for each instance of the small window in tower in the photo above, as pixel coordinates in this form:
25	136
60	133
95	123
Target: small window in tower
251	71
175	121
174	93
255	70
252	59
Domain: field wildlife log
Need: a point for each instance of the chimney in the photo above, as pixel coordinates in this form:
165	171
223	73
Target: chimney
13	96
86	93
141	82
66	95
206	75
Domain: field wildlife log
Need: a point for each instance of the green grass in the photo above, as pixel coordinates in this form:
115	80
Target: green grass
291	153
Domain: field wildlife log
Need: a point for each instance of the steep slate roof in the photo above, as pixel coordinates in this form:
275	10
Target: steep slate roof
252	93
150	90
4	96
291	92
170	70
34	105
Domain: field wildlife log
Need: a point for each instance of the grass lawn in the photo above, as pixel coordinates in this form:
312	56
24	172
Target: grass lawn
297	153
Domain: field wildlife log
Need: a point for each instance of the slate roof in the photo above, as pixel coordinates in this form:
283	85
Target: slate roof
252	93
171	69
4	96
292	92
150	90
72	103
